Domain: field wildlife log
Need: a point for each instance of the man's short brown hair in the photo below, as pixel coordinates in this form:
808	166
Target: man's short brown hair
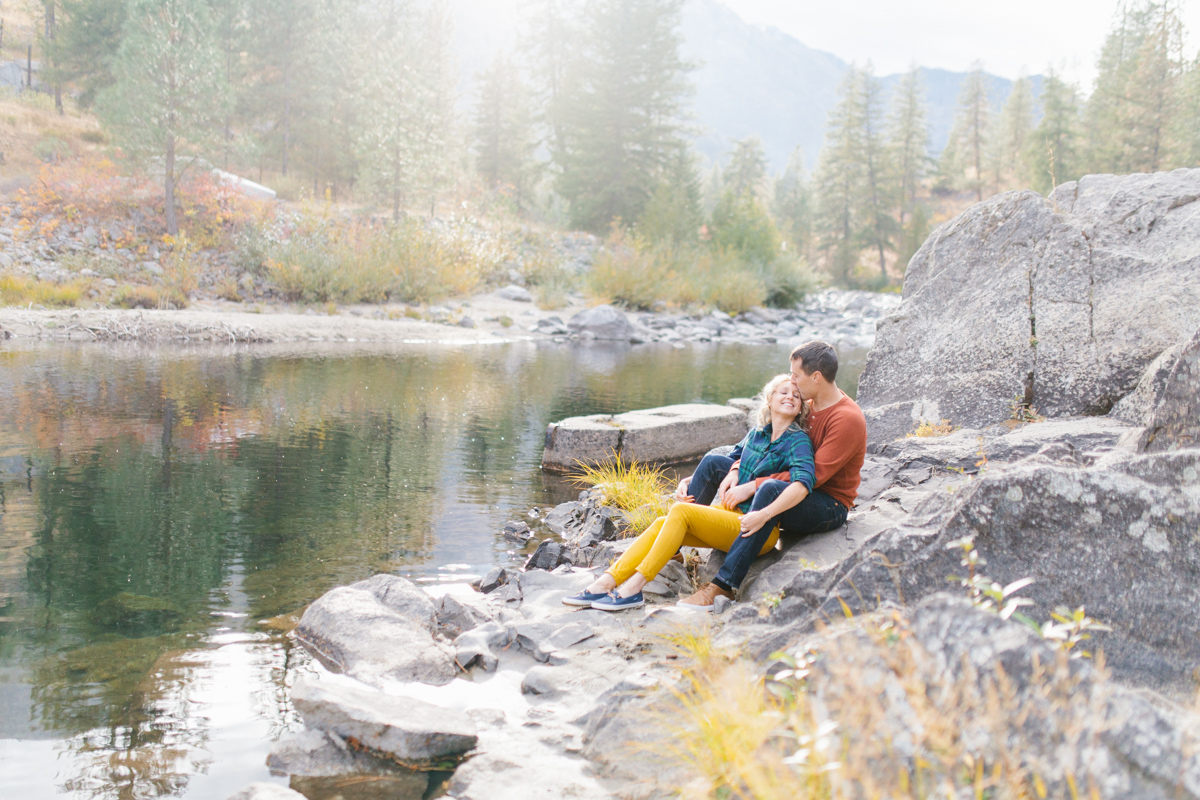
817	357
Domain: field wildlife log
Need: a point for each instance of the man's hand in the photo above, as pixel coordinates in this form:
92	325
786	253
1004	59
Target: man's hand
737	495
681	493
754	520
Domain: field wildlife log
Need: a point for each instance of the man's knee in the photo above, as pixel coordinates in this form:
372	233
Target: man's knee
767	492
714	464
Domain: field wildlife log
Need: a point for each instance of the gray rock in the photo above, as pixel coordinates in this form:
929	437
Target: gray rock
109	282
548	555
514	292
1175	422
377	629
721	604
152	268
670	434
494	579
477	647
1117	538
466	322
1060	303
409	731
1137	407
315	753
266	791
457	615
603	322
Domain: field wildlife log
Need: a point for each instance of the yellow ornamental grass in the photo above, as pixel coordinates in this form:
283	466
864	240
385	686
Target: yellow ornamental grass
642	491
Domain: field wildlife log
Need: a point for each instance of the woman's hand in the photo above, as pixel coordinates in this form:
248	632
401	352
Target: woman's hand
737	495
681	493
727	484
754	520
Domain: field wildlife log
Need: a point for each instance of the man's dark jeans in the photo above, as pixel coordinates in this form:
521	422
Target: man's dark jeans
817	513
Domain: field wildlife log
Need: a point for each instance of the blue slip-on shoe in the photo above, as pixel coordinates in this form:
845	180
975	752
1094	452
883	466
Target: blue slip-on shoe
614	602
584	599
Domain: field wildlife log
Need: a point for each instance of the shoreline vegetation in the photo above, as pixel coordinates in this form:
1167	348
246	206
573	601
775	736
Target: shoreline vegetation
410	202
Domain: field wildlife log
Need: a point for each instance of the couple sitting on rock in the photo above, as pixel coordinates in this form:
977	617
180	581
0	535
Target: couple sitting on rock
797	470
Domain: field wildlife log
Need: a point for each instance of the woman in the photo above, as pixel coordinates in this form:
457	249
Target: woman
779	444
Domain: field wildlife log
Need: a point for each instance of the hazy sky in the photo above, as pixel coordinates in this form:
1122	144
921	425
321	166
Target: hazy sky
1008	36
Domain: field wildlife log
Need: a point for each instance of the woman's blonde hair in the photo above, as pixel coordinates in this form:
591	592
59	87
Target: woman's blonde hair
768	391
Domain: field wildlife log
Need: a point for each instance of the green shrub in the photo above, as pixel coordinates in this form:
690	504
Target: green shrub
15	291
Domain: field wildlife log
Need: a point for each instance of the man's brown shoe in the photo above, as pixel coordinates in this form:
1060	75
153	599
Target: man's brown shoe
703	599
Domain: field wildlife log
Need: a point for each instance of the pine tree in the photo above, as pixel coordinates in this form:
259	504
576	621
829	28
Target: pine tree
1106	119
168	97
908	141
971	127
675	210
87	36
1154	91
1052	154
878	225
747	170
1010	138
621	109
404	102
1187	120
503	130
793	205
550	30
838	178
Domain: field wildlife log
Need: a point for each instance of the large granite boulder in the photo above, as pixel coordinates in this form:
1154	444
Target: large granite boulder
1175	419
1118	538
602	322
1058	303
410	732
666	435
375	630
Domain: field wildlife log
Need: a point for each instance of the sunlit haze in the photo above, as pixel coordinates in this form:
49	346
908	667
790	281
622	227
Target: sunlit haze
1009	38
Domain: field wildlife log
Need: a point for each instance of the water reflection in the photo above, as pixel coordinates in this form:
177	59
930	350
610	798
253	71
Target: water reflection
157	506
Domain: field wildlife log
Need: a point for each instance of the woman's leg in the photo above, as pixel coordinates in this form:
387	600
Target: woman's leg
625	566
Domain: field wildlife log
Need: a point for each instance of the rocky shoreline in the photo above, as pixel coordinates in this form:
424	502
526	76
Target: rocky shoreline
842	317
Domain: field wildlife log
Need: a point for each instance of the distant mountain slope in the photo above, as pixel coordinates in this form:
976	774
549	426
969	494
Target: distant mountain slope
749	80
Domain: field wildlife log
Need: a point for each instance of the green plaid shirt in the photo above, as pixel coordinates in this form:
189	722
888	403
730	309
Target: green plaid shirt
792	453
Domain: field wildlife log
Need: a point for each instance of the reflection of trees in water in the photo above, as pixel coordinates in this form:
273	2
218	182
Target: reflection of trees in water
154	475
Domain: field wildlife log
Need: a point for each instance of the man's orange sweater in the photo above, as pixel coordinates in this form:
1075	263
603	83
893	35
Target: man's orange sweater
839	435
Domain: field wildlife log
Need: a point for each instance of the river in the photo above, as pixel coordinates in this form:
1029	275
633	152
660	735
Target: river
162	511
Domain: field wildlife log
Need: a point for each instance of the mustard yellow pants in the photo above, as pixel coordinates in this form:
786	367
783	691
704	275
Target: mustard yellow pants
685	524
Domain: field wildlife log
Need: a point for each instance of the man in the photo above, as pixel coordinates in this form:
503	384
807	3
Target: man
839	434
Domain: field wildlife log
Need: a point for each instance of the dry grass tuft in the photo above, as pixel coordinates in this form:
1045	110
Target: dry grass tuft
640	490
17	291
870	714
929	429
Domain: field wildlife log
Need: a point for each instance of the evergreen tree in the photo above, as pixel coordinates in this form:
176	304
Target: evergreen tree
742	226
405	102
971	127
621	109
793	205
1052	155
747	170
1010	139
878	224
87	36
675	210
838	178
1154	91
1106	120
168	97
1187	120
503	130
908	141
547	41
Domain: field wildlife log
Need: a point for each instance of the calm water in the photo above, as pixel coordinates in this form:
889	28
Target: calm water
159	508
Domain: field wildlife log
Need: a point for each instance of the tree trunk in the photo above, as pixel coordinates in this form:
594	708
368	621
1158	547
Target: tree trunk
169	187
